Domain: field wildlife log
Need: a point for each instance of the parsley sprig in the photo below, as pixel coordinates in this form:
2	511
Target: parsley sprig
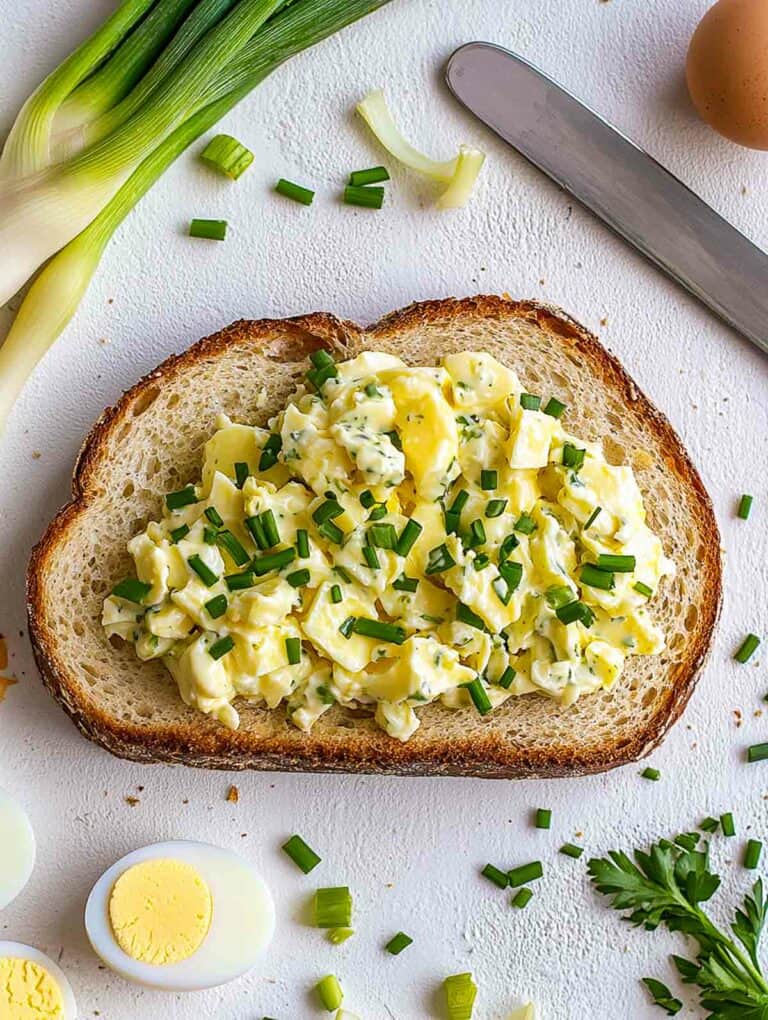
667	885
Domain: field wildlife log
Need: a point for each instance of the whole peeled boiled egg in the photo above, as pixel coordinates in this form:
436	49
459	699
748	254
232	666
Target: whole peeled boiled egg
17	849
32	986
727	70
180	916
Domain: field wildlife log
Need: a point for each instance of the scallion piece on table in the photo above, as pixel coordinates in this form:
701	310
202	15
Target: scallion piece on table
489	479
408	537
339	935
330	993
460	994
573	457
554	408
240	582
302	544
294	191
495	875
273	561
653	774
543	818
594	577
333	907
381	631
525	873
178	533
727	825
303	856
748	648
745	506
227	156
220	648
530	402
132	590
293	650
216	607
592	517
757	752
368	198
183	497
752	854
374	175
522	898
618	564
398	943
571	850
709	824
203	571
210	230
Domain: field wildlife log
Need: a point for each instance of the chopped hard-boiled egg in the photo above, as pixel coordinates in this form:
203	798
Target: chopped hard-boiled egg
396	534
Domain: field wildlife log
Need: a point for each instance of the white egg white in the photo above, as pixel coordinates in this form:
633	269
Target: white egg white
242	926
17	849
18	951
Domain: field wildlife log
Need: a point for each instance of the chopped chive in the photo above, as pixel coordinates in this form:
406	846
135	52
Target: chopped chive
525	873
618	564
757	752
495	507
293	650
336	595
398	943
330	993
298	578
302	544
210	535
202	570
371	557
389	632
502	590
408	537
592	517
530	402
254	525
394	439
303	856
506	678
571	850
574	612
347	627
372	390
241	473
269	452
322	359
554	408
496	875
343	574
183	497
132	590
211	230
745	506
439	560
460	994
367	499
479	696
481	561
239	582
752	854
709	825
368	197
333	907
326	511
213	515
178	533
318	377
378	512
228	541
294	191
522	898
748	648
339	935
543	818
462	497
687	840
477	533
216	606
466	615
558	595
489	479
643	589
573	457
594	577
507	547
404	583
228	156
726	824
512	572
383	536
373	175
273	561
331	531
220	648
653	774
269	528
525	524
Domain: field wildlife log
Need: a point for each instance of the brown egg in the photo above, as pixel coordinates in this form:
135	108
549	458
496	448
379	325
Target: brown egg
727	70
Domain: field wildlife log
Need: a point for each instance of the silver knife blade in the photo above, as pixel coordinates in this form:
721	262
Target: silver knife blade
618	181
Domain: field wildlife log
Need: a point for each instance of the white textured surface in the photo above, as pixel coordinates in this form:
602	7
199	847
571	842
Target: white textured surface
410	849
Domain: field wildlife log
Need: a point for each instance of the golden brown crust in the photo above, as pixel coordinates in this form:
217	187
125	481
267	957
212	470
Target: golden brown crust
202	743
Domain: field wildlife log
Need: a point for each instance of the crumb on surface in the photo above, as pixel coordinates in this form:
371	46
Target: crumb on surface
233	795
132	801
604	321
5	683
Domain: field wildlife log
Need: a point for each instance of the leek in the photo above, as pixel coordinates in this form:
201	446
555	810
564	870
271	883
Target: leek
468	165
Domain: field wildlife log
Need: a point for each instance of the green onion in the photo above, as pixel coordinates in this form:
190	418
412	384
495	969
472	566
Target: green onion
745	506
439	560
210	535
574	612
132	590
643	589
481	561
530	402
573	457
543	818
330	993
461	500
408	537
332	532
479	696
333	907
178	533
489	479
752	854
228	156
466	615
757	752
512	572
507	547
323	360
184	497
398	943
269	452
320	374
525	873
228	541
369	197
372	390
302	544
571	850
404	583
460	993
336	595
525	524
378	512
748	648
367	499
506	678
726	824
202	570
298	578
241	473
239	582
495	508
477	533
379	630
254	525
294	191
339	935
383	536
293	650
594	577
220	648
687	840
558	595
501	588
303	856
618	564
273	561
374	175
522	898
327	510
394	438
554	408
709	825
269	528
496	875
213	515
211	230
347	627
216	606
371	557
592	517
653	774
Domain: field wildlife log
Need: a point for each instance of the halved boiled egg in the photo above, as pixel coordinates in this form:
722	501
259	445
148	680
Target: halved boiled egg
17	849
180	916
33	986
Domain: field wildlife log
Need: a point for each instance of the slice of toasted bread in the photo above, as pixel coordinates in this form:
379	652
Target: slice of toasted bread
150	443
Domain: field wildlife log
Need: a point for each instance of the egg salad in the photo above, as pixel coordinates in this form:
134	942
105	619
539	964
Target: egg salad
399	535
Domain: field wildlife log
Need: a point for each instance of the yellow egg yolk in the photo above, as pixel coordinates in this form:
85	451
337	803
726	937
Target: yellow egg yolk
160	911
28	992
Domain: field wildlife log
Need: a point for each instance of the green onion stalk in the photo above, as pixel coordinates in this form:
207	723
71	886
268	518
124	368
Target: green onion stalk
57	291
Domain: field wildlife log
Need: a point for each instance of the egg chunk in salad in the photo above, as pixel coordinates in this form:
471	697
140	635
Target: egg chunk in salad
399	535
